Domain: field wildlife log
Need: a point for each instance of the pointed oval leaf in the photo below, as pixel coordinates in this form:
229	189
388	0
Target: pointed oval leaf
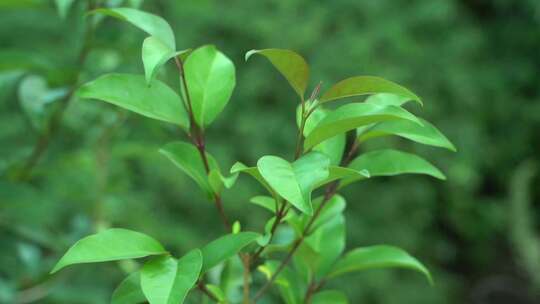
152	24
291	65
294	182
354	115
129	291
366	85
130	92
164	280
225	247
390	162
330	296
110	245
378	256
426	133
186	157
210	78
155	54
266	202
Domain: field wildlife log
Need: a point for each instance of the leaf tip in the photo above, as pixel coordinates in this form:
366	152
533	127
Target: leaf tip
249	53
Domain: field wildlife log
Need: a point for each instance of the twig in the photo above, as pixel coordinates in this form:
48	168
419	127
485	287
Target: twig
205	291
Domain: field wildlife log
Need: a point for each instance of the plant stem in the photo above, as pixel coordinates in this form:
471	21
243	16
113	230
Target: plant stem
44	139
205	290
329	193
196	133
246	261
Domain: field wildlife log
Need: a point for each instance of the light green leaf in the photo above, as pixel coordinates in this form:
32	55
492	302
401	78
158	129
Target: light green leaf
239	167
129	291
426	133
152	24
379	256
337	173
366	85
216	292
294	182
164	280
386	99
130	92
63	7
225	247
354	115
291	288
332	147
390	162
210	80
155	54
186	157
218	182
110	245
289	64
329	296
266	202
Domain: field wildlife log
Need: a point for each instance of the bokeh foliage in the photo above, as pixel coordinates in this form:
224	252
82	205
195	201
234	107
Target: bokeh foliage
474	63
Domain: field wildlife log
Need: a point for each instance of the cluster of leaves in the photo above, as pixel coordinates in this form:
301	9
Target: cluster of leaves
316	235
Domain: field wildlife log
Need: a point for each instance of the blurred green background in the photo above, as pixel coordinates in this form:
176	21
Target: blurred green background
476	64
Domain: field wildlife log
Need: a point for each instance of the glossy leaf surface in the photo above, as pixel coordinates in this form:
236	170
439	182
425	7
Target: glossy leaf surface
225	247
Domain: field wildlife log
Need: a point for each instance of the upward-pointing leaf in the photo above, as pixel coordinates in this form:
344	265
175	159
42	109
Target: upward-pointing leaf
225	247
129	291
354	115
426	133
366	85
379	256
390	162
130	92
155	53
210	80
152	24
110	245
294	182
189	160
164	280
289	64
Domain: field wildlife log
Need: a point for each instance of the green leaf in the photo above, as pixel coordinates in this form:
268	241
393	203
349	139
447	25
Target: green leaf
266	202
386	99
329	296
291	288
129	291
218	182
130	92
332	147
426	133
289	64
294	182
366	85
337	173
155	54
390	162
354	115
164	280
210	78
152	24
239	167
110	245
216	292
63	7
379	256
186	157
225	247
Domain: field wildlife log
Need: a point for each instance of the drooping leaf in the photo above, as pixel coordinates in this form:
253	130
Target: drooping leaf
426	133
378	256
210	77
354	115
239	167
155	54
164	280
225	247
294	182
110	245
291	65
186	157
366	85
390	162
63	7
152	24
130	92
329	296
129	291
